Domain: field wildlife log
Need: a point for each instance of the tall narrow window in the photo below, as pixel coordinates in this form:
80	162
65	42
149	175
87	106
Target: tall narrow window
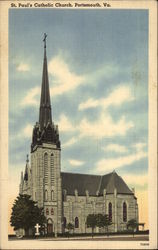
52	211
52	169
46	168
52	195
46	195
64	222
124	212
76	222
47	211
110	211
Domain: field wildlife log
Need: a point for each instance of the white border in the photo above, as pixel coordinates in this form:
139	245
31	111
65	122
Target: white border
5	244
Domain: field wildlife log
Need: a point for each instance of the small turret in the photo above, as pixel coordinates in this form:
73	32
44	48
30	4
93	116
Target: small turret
21	183
27	169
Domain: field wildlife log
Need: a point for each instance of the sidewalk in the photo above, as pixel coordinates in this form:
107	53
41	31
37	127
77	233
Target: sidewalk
128	237
101	238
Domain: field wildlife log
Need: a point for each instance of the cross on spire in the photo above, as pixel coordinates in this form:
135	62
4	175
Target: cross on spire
45	115
44	40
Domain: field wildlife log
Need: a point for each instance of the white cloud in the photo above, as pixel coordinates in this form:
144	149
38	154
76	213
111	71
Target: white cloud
115	148
117	97
23	67
27	131
90	103
109	164
65	79
64	124
139	146
104	127
69	142
76	162
31	97
134	180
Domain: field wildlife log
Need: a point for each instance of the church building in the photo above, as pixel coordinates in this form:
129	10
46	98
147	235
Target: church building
70	197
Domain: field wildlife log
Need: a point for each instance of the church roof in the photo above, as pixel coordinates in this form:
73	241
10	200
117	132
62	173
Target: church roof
93	184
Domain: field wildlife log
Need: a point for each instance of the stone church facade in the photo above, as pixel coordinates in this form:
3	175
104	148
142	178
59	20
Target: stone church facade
70	197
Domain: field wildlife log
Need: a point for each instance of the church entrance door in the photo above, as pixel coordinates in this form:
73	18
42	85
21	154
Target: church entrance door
49	227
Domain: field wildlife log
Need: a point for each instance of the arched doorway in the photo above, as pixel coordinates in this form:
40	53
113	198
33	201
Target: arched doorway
49	226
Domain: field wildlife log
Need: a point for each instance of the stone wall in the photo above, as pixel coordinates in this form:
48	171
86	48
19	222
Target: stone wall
81	206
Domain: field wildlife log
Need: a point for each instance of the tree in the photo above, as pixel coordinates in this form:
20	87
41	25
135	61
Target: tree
132	225
103	221
100	220
107	222
92	222
25	213
70	227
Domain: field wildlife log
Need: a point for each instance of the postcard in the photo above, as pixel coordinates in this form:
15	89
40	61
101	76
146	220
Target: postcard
78	124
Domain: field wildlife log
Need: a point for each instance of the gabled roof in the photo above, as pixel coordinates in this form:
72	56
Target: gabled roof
93	184
112	181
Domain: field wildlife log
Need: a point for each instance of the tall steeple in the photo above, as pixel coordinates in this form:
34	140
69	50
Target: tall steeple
45	131
45	104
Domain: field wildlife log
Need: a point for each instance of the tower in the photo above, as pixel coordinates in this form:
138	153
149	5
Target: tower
45	159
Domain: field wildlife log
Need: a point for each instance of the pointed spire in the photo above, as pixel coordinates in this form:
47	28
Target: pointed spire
26	168
45	131
44	40
45	104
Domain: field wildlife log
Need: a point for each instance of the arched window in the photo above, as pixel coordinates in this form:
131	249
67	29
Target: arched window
52	211
46	195
124	212
76	222
52	169
110	211
47	211
46	168
52	195
64	222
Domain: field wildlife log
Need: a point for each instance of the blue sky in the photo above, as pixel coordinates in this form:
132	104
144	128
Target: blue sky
98	76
